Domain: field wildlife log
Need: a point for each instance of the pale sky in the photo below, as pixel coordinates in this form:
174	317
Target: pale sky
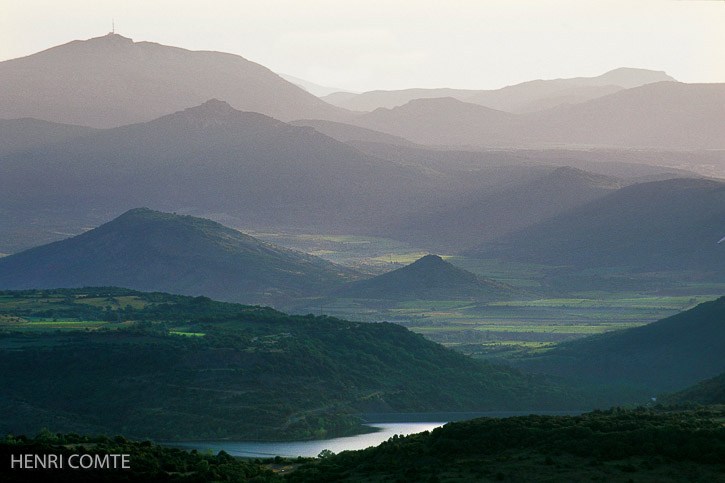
394	44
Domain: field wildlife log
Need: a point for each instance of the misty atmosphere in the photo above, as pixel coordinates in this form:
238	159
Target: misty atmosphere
229	269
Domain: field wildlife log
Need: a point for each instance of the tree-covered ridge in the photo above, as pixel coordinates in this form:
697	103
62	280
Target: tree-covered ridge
709	391
614	445
175	367
666	355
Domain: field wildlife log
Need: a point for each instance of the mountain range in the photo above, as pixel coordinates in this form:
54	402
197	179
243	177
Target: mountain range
660	115
525	97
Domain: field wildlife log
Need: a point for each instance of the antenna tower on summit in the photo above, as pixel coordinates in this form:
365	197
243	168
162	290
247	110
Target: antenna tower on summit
113	26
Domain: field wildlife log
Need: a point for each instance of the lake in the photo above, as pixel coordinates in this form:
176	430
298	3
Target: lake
387	424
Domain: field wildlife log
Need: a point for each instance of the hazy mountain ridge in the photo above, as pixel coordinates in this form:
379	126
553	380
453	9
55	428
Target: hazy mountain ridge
17	135
111	81
213	159
663	115
524	97
497	212
148	250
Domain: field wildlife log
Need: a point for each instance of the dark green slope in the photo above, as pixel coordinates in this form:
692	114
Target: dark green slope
662	225
709	391
429	278
249	372
613	446
150	250
662	356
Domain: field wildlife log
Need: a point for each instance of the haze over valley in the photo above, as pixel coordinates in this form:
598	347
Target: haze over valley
194	247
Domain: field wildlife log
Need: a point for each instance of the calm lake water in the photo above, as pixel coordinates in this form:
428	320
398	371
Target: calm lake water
386	429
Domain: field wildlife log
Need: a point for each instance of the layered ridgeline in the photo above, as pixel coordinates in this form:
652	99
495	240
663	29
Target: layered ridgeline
213	159
662	115
525	97
111	81
429	278
251	170
665	225
663	356
174	367
505	209
150	250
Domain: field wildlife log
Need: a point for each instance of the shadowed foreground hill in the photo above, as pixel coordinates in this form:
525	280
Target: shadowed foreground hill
666	355
709	391
150	250
174	367
429	278
614	446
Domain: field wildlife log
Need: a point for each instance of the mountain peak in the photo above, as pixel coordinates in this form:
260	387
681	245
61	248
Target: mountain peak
629	77
428	278
429	261
212	112
212	108
110	39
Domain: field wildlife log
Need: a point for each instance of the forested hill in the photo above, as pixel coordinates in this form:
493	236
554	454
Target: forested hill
174	367
709	391
613	446
666	355
150	250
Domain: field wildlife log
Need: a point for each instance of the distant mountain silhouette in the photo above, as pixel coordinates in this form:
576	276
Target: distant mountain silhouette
110	81
149	250
660	115
529	96
663	225
664	115
663	356
311	87
429	278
